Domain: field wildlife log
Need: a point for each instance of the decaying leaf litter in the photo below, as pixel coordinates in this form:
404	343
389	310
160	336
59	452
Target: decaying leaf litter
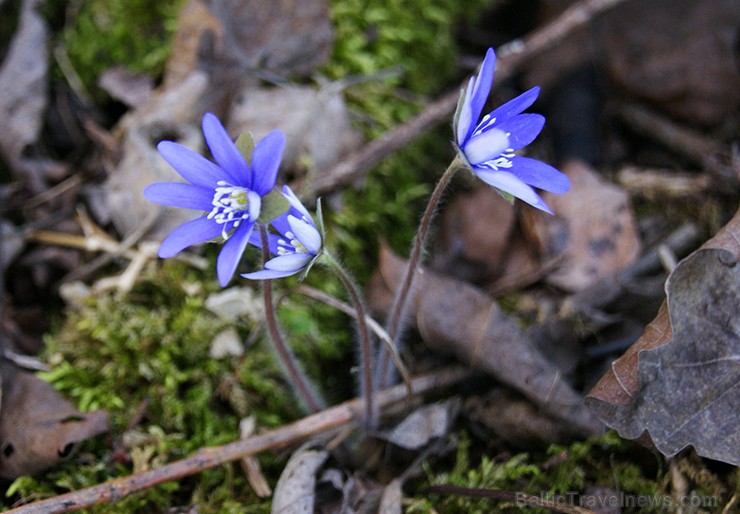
539	307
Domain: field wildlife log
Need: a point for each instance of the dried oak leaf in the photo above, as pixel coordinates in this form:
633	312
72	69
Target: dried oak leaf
519	423
171	113
455	317
466	247
424	424
24	92
316	123
680	55
39	428
594	231
294	492
679	384
238	41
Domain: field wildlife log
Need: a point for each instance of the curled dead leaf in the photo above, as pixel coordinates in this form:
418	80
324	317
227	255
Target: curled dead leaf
424	424
467	247
455	317
679	384
294	492
593	231
39	428
24	93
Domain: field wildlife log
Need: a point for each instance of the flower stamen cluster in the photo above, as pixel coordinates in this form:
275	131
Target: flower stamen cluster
292	245
233	204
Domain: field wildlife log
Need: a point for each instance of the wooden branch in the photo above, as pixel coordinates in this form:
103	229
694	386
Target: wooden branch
343	415
702	150
510	58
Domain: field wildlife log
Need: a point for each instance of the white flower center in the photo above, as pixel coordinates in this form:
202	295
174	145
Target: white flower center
503	161
230	206
297	246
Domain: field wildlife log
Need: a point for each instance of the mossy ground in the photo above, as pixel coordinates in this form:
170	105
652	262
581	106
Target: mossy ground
152	345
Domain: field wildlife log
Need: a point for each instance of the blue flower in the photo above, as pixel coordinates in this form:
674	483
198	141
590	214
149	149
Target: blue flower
300	243
229	191
488	147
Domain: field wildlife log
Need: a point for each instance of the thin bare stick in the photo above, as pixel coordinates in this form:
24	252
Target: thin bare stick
379	331
343	415
510	59
700	149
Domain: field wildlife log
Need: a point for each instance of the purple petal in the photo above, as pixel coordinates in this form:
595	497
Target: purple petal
281	224
483	83
266	160
540	175
306	234
464	116
231	253
509	183
522	129
189	233
293	262
486	146
512	107
267	274
255	239
177	194
295	203
191	166
225	152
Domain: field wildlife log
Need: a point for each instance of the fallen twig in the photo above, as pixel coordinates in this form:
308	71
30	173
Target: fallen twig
374	326
343	415
693	145
510	58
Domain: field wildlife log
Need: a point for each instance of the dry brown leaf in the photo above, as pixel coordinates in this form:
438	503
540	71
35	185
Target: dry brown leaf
24	92
515	420
593	230
424	424
680	381
392	498
171	114
294	492
195	20
455	317
316	123
677	54
278	36
127	87
474	234
238	42
39	428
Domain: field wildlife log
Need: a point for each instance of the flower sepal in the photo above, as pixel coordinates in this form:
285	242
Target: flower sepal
245	144
273	205
510	198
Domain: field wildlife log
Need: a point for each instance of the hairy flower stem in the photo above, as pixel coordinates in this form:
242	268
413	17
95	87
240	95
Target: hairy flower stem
395	320
295	374
366	386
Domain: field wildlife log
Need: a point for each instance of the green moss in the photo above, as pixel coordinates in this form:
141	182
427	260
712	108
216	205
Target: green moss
115	353
374	36
563	474
132	33
389	204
